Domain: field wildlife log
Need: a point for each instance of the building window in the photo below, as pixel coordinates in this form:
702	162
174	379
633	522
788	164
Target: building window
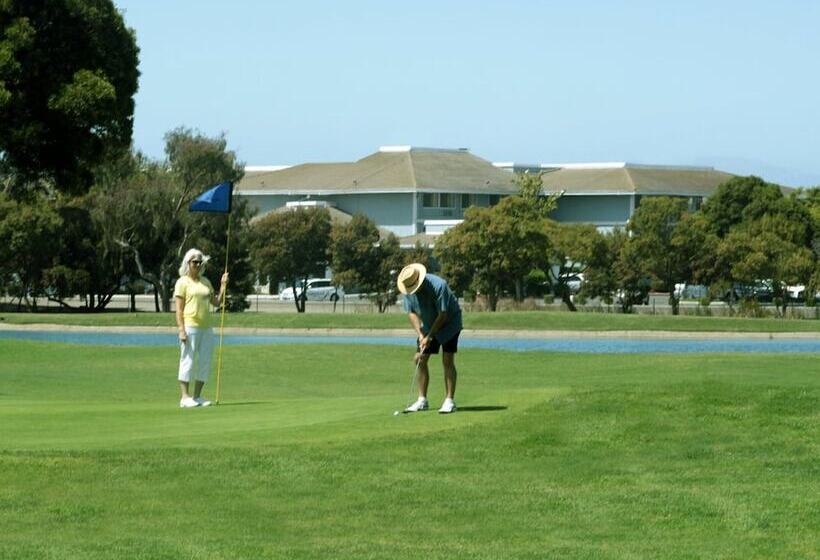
467	200
438	200
695	203
494	198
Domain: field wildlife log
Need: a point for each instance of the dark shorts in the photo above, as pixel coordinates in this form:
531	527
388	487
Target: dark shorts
451	346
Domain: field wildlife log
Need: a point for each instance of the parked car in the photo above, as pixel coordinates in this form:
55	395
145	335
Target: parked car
798	293
691	291
318	289
761	291
573	281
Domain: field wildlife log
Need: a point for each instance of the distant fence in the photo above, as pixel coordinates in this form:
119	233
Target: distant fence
658	305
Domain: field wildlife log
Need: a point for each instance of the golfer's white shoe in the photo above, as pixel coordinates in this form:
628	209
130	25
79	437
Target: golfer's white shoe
202	401
188	402
418	406
448	406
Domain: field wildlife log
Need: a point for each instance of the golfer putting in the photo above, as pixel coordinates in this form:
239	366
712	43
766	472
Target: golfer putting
435	315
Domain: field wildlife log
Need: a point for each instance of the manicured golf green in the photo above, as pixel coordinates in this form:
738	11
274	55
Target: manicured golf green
549	456
512	320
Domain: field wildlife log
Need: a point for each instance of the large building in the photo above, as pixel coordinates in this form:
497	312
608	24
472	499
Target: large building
417	193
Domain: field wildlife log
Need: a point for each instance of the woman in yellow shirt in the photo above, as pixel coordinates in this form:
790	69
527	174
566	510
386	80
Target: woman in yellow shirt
194	295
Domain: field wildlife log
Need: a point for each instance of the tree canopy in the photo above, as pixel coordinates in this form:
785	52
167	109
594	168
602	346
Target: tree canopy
360	259
291	246
68	75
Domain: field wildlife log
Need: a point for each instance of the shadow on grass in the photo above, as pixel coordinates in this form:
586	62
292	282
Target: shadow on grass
481	408
246	403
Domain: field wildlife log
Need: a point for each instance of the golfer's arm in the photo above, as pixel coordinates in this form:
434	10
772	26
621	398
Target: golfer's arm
416	322
216	298
180	304
438	323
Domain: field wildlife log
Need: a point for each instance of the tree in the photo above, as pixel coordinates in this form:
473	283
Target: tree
146	211
360	259
630	277
740	199
421	254
495	248
653	226
615	271
27	233
290	246
68	75
762	237
765	249
82	263
572	247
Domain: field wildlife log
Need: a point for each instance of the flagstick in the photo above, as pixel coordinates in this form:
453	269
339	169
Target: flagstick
222	319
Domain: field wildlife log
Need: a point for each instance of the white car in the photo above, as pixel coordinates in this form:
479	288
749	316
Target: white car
318	289
573	281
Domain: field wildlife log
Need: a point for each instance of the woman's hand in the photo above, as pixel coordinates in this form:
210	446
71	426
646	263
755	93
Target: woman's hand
183	336
224	280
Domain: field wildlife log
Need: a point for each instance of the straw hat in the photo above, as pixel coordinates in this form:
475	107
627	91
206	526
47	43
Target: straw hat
411	277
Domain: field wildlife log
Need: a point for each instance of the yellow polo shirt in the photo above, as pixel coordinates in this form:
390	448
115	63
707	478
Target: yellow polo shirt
197	297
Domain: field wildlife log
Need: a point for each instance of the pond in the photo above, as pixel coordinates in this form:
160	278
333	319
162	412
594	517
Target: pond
585	345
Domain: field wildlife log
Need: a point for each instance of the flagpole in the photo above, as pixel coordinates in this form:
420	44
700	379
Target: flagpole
222	318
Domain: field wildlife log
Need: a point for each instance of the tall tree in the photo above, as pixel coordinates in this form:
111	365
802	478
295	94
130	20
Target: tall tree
290	246
360	259
765	250
28	230
147	210
68	75
653	227
495	248
572	250
740	199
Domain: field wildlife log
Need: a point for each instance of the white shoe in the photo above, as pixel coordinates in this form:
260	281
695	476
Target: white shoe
202	402
448	406
188	402
418	406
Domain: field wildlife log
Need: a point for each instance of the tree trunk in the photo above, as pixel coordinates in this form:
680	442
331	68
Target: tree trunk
519	292
132	304
156	298
566	297
674	302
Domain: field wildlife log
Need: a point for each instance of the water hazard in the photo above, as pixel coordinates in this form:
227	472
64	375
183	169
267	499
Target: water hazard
584	345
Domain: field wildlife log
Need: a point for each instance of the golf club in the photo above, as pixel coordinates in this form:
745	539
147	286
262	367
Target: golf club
412	384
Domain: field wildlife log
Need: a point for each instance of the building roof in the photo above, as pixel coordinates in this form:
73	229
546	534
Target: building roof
632	178
391	169
337	217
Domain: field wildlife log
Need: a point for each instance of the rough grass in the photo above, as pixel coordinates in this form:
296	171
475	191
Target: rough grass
550	456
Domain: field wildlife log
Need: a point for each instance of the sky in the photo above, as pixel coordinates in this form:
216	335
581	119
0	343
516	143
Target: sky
729	84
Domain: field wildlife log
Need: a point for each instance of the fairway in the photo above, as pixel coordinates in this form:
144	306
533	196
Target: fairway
550	456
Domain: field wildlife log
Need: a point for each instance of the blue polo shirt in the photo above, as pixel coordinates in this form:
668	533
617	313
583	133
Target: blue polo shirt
433	297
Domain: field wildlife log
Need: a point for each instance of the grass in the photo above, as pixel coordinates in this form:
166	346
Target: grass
515	320
551	456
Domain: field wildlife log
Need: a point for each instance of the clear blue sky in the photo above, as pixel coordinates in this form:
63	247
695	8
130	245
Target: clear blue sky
734	84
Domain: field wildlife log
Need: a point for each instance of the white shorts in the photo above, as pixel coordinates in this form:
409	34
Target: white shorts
198	348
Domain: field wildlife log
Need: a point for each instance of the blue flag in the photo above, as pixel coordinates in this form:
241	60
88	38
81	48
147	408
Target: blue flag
218	199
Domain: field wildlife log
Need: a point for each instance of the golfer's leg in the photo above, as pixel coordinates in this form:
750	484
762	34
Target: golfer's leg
448	360
205	350
423	375
186	366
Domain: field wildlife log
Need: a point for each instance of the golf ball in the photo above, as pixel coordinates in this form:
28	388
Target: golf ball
396	413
